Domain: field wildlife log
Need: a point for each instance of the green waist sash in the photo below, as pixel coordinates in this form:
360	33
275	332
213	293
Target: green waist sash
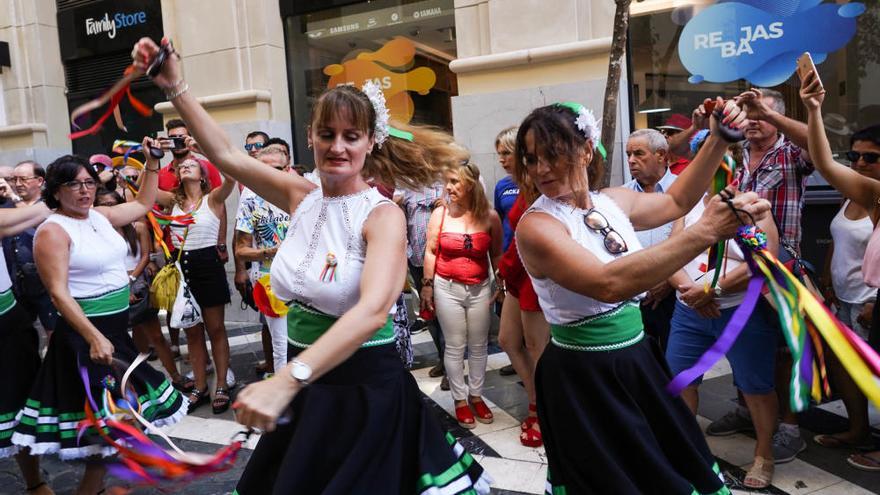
615	329
7	301
106	304
305	325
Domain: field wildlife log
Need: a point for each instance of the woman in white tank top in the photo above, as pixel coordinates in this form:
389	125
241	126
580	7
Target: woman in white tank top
203	272
342	266
81	260
607	423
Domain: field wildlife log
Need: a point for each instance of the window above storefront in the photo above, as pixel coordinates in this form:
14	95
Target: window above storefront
403	46
662	86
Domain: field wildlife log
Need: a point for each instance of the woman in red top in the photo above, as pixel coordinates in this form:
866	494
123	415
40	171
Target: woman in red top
524	332
462	235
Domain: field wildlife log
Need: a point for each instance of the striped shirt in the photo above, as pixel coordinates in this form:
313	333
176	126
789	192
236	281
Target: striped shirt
780	178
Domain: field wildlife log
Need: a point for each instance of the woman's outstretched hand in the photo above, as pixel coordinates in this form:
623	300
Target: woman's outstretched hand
723	222
145	52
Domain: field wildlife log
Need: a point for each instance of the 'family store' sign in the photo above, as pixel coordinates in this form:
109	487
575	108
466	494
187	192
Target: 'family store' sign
760	40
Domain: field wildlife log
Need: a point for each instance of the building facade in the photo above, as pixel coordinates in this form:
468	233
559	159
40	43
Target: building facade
473	67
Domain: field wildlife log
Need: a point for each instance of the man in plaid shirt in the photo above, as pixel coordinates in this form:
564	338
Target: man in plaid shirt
775	165
775	159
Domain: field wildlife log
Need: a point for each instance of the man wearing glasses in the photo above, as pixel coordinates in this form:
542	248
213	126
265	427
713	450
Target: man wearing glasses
254	142
27	180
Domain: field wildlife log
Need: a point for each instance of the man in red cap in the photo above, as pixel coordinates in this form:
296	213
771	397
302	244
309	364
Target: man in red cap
675	124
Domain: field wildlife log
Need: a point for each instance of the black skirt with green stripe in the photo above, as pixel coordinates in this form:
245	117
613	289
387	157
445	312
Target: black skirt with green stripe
362	428
19	364
48	422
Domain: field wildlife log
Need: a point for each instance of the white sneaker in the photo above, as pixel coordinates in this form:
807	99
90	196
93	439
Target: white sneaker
230	379
209	370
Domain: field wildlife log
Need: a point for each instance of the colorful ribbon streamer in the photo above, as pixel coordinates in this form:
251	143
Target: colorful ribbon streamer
141	459
113	96
804	319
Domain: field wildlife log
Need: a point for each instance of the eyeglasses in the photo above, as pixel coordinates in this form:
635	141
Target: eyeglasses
16	180
254	146
87	184
187	165
869	157
614	242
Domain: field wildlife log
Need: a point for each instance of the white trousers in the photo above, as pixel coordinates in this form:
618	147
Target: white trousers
278	331
465	315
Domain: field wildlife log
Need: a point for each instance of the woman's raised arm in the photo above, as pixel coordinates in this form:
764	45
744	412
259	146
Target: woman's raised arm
275	186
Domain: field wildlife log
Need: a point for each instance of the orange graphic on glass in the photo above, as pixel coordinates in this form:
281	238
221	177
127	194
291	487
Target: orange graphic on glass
387	67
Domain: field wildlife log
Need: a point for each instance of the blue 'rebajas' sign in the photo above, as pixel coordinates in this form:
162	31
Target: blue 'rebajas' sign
760	40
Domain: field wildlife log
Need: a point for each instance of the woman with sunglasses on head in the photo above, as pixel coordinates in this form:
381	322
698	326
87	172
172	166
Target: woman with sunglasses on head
860	185
607	423
19	351
81	259
352	418
195	247
462	236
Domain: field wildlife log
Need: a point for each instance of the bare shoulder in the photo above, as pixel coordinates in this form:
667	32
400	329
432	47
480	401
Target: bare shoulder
51	234
385	219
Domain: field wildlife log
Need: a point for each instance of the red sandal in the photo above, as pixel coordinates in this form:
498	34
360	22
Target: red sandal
531	438
484	414
465	417
530	420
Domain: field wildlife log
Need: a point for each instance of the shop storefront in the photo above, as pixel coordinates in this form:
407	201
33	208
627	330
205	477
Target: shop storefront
404	46
664	87
95	40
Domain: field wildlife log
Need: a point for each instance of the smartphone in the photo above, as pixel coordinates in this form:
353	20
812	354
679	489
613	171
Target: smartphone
805	65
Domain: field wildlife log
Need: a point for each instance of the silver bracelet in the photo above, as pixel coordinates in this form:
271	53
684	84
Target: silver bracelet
177	89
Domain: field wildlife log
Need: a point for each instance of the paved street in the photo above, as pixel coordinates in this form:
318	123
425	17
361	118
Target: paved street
516	469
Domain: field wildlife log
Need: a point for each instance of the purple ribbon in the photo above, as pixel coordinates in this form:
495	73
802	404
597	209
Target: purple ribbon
725	341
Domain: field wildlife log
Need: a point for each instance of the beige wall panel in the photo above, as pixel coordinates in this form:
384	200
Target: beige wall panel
532	75
44	56
270	72
57	117
469	32
36	11
204	26
264	26
21	141
213	73
17	109
601	18
521	24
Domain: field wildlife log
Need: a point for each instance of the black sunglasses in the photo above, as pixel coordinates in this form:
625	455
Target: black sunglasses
596	221
869	157
468	242
254	146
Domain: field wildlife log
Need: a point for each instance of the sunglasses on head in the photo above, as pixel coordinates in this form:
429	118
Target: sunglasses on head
869	157
614	242
254	146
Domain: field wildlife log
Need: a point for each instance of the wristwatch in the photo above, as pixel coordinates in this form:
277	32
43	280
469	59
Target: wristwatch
300	371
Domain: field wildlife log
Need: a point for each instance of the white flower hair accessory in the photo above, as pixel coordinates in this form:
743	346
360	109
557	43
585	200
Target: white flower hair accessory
587	123
377	98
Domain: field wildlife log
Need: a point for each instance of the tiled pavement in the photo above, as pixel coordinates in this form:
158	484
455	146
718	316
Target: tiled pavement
516	469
